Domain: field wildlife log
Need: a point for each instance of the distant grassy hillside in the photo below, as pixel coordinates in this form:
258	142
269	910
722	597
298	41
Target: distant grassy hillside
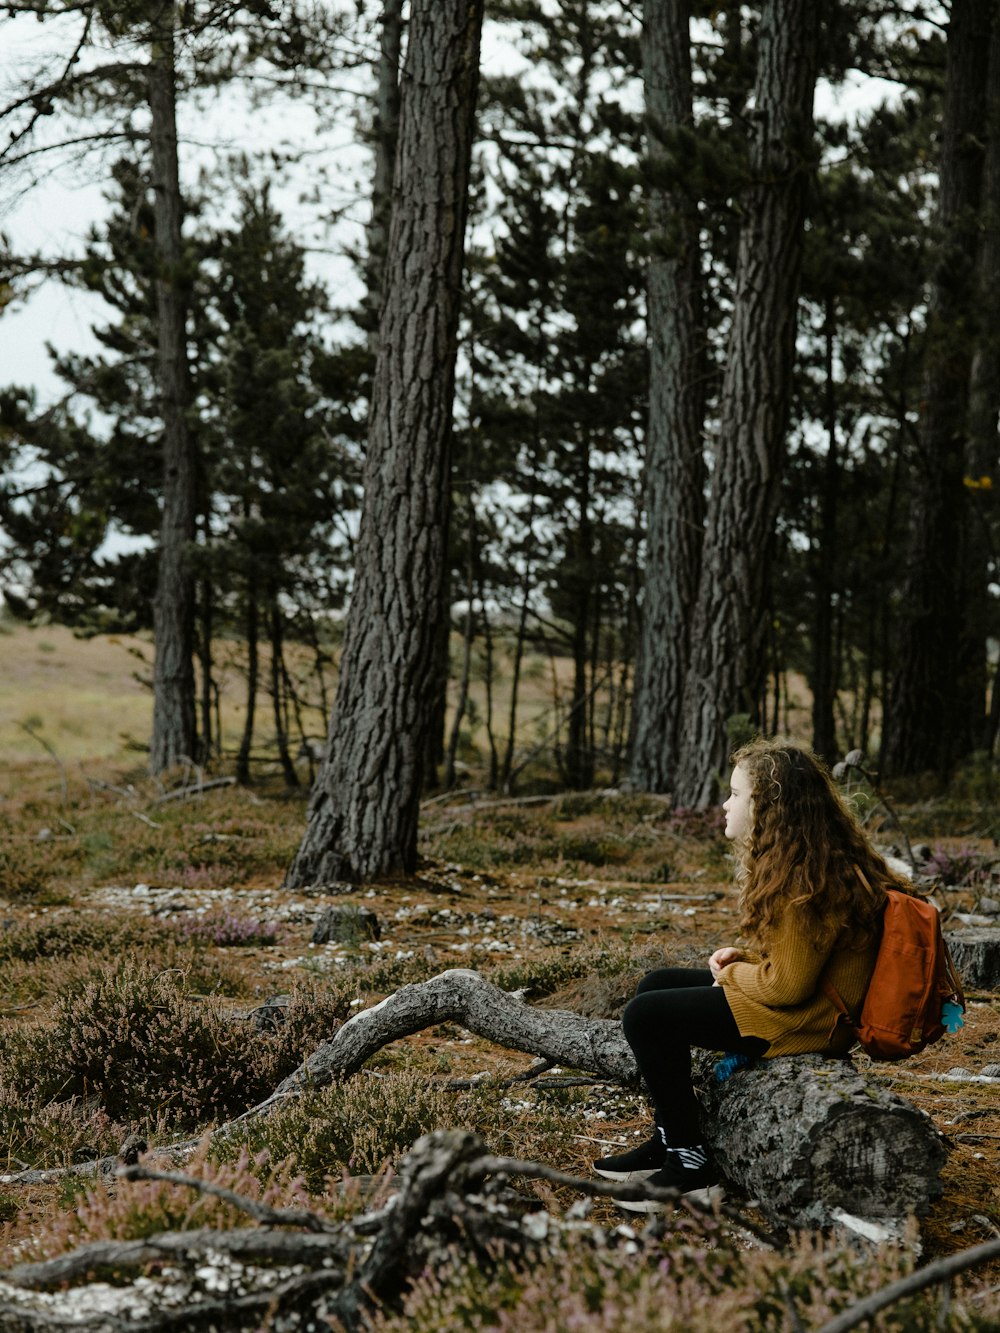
81	695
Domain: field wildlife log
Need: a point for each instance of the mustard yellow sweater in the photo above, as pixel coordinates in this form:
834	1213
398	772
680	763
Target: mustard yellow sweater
776	994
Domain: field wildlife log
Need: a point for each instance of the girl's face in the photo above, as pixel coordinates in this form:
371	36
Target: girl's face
739	805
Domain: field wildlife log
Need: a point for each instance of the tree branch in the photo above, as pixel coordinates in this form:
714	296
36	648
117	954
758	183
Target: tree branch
939	1271
260	1212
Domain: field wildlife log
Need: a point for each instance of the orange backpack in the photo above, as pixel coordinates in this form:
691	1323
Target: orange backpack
915	995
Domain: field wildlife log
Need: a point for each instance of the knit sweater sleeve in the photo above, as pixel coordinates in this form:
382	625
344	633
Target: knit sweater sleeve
788	971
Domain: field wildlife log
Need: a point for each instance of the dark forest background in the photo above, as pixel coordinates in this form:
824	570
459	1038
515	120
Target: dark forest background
706	403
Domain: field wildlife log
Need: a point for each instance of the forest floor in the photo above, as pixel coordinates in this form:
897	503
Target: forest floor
146	941
116	895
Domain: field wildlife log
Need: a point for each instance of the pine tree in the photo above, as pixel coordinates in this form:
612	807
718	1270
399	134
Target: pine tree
363	815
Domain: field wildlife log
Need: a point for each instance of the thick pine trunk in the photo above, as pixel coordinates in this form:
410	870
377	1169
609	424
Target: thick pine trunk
975	731
363	815
174	726
674	476
923	723
730	618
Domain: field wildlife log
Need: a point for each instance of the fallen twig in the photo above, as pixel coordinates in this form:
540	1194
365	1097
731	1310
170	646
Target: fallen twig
30	731
525	1076
194	790
145	819
939	1271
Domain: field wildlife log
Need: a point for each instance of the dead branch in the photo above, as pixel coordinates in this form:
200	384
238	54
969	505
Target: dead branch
462	996
260	1212
194	790
807	1136
450	1190
145	819
247	1245
30	731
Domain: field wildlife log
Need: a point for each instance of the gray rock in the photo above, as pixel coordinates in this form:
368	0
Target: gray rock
271	1014
346	925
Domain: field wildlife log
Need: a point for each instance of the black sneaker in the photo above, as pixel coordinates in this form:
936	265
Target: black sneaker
638	1164
700	1183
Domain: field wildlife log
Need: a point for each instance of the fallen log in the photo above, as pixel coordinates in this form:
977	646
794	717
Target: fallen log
975	952
807	1137
817	1143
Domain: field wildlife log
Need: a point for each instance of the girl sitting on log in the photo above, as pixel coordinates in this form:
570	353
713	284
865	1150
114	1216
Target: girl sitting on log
811	891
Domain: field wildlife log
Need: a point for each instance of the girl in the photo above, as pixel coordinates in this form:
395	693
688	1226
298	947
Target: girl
811	894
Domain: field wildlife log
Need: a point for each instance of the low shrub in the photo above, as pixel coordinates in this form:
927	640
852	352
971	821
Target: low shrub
225	928
76	950
355	1127
679	1287
134	1210
133	1043
367	1122
56	1133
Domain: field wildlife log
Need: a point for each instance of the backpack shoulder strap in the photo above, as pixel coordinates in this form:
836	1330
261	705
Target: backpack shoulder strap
827	987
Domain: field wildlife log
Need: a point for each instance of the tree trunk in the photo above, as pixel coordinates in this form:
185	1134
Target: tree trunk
812	1139
278	693
981	463
579	754
385	133
520	642
674	477
924	711
730	617
823	564
835	1143
174	725
363	815
468	636
488	669
253	672
210	742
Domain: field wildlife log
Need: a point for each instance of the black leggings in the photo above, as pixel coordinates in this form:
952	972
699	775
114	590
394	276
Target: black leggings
674	1009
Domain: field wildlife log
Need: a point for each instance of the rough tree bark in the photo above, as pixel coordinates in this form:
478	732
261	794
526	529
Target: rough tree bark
806	1136
174	725
922	724
730	615
363	814
384	132
823	561
674	476
976	724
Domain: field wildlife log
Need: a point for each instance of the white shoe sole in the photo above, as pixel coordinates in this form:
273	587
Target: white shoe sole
625	1177
708	1195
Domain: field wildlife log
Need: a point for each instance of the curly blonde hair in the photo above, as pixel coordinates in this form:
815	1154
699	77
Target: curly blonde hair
805	849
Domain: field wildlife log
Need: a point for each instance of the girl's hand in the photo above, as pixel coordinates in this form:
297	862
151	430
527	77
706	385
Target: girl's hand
722	958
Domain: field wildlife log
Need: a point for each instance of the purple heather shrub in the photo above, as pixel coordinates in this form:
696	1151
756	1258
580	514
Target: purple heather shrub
225	928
